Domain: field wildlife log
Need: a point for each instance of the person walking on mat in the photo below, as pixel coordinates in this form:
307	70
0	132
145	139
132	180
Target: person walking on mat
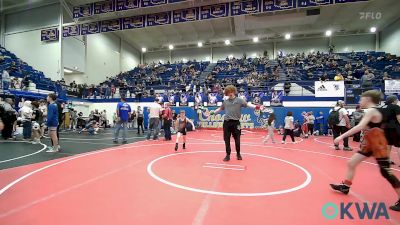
373	144
123	114
233	112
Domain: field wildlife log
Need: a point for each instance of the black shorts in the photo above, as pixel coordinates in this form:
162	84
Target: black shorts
366	154
392	136
182	131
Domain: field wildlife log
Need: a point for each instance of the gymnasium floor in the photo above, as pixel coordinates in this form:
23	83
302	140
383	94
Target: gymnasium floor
146	182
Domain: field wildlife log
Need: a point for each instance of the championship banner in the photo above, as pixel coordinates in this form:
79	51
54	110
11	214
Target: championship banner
127	4
49	34
214	11
245	7
148	3
83	11
185	15
111	25
90	28
276	5
104	7
70	31
392	87
159	19
347	1
329	89
133	22
313	3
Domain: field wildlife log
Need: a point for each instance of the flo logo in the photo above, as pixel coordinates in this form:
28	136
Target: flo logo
355	210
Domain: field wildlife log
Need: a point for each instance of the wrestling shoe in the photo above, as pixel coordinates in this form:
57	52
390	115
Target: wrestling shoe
396	206
341	188
347	149
227	158
176	147
337	147
239	157
184	145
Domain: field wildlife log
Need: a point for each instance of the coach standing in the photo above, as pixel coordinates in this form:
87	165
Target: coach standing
154	119
233	111
123	114
167	117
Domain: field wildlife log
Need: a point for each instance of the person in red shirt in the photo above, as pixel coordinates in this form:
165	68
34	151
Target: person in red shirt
167	119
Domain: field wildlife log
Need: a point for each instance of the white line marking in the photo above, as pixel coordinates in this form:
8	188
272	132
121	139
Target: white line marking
228	165
24	156
224	168
241	194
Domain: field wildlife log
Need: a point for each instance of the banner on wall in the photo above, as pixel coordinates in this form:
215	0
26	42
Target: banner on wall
313	3
104	7
148	3
158	19
185	15
214	11
111	25
245	7
329	89
392	87
127	4
134	22
90	28
49	34
277	5
70	31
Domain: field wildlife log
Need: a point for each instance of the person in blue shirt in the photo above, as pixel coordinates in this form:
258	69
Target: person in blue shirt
52	121
123	114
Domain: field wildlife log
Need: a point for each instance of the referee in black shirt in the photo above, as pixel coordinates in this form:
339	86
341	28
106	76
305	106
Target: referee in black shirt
233	112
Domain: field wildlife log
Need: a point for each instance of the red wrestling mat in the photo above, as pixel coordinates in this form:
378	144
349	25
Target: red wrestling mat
148	183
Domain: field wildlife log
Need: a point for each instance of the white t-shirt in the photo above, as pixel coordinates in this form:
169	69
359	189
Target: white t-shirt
289	122
155	111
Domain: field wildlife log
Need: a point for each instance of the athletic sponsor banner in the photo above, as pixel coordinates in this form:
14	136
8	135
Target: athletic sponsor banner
111	25
214	11
104	7
134	22
49	34
175	1
392	86
90	28
70	31
185	15
329	89
148	3
158	19
312	3
127	4
245	7
276	5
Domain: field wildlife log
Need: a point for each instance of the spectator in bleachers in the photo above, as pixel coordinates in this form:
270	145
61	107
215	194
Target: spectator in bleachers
6	79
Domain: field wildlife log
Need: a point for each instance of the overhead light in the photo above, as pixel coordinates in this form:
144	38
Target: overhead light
171	47
67	71
254	55
255	39
287	36
328	33
144	49
184	60
227	42
230	56
200	44
373	29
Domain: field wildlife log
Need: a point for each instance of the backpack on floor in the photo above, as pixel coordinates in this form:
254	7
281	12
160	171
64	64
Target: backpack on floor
333	118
